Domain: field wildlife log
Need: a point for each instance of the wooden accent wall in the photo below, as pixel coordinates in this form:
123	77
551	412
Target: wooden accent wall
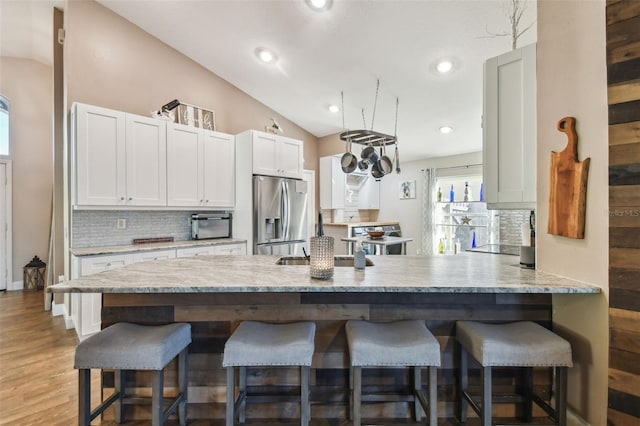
623	75
213	317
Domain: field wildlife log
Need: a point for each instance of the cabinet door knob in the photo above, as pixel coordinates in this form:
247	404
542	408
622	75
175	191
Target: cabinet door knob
121	198
130	198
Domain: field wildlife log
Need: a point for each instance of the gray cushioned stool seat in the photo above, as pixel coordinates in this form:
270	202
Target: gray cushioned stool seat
126	346
523	343
518	344
401	343
394	344
261	344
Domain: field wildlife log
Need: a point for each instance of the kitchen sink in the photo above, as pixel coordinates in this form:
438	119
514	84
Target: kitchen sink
337	261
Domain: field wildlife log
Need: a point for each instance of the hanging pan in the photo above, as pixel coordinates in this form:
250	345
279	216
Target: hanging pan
348	162
384	163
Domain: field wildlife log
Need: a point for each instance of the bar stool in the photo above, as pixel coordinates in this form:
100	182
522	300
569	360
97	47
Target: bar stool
125	346
396	344
517	344
257	344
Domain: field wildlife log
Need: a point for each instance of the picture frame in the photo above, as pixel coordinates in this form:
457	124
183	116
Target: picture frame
407	189
194	116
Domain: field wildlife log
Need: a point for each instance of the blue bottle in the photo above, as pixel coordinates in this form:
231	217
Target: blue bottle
481	192
451	194
473	241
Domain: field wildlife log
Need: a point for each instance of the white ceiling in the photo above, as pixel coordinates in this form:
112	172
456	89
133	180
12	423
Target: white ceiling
345	49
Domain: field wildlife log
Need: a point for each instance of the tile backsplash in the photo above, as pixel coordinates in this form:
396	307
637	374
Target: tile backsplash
98	228
511	224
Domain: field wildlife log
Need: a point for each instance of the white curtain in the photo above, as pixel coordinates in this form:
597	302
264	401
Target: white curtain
428	209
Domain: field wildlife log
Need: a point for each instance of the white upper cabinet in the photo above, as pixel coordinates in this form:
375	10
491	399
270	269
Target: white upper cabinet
119	159
125	160
275	155
184	166
219	170
99	156
146	161
200	167
509	129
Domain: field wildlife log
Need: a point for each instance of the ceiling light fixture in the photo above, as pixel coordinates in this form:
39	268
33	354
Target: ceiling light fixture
444	66
334	108
265	55
319	5
446	129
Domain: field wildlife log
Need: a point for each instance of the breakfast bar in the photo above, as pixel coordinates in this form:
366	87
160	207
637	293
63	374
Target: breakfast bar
215	293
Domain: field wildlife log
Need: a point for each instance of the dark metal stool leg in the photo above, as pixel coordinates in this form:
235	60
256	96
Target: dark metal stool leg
486	395
417	386
231	395
305	405
357	395
351	393
183	386
120	384
464	383
157	390
433	396
242	383
84	397
527	394
561	395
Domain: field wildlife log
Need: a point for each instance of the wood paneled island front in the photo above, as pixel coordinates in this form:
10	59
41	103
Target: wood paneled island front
215	293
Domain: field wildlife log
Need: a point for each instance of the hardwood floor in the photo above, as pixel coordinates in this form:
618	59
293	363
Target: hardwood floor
38	384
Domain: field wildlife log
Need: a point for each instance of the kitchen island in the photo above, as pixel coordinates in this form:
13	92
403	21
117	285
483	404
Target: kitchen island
214	293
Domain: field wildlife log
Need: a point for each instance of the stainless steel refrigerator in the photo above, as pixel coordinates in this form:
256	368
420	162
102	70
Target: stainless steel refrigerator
279	215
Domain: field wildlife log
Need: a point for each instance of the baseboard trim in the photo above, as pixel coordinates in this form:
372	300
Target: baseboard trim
57	309
574	419
14	286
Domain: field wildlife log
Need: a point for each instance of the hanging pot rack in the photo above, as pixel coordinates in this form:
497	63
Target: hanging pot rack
368	137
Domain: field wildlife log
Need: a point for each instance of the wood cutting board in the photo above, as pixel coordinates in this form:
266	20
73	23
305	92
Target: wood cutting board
568	186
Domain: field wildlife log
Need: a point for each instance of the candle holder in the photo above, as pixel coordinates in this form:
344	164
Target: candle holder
321	257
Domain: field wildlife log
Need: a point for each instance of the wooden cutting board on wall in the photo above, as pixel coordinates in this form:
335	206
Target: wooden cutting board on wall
568	186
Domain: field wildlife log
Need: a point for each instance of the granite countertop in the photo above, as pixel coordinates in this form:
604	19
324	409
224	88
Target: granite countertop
461	273
352	224
132	248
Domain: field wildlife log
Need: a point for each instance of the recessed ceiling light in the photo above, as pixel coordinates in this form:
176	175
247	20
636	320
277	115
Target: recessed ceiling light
334	108
319	5
265	55
444	66
446	129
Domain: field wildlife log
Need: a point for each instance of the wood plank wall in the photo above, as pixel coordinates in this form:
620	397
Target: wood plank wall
623	75
214	316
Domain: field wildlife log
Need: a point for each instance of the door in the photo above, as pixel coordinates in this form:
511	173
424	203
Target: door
219	170
265	154
290	156
146	161
268	205
184	166
295	210
100	156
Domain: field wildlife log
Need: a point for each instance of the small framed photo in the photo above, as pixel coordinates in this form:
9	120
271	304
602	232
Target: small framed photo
407	189
207	119
187	114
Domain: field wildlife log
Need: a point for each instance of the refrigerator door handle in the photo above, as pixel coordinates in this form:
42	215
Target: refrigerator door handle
286	211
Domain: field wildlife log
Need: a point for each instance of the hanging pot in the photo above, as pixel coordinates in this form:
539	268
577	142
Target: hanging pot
376	172
348	162
369	154
363	165
384	163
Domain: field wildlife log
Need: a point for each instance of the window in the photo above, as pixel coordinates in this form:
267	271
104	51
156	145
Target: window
4	126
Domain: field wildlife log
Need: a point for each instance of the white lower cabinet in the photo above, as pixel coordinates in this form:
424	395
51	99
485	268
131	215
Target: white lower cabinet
86	308
230	249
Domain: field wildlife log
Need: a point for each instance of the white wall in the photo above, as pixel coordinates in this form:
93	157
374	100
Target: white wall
409	211
572	81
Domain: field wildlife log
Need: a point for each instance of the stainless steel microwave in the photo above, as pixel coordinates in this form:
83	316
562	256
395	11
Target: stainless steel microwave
210	225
